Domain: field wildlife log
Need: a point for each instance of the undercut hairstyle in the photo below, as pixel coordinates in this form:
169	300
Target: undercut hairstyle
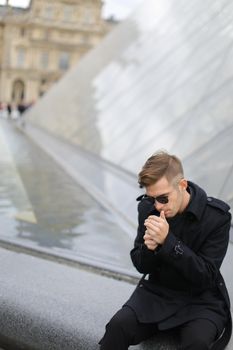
158	165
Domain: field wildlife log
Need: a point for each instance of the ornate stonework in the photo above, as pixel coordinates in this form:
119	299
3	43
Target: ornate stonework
39	43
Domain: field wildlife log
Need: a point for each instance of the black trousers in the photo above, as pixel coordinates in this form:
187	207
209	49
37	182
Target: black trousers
124	330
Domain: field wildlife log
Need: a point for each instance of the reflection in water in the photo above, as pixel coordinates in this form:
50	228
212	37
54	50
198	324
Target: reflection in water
68	220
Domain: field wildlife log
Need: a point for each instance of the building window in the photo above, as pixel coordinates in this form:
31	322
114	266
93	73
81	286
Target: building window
21	57
88	16
64	61
67	13
48	12
22	32
44	60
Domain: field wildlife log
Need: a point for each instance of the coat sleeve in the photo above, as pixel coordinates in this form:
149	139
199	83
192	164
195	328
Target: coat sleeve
144	260
199	268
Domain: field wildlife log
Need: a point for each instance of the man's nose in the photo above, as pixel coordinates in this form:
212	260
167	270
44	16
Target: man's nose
158	206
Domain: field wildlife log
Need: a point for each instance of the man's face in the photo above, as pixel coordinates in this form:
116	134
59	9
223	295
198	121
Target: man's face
174	191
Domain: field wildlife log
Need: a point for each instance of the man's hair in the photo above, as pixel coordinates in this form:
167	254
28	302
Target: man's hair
158	165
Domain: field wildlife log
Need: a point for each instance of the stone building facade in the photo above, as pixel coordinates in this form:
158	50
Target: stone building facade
39	43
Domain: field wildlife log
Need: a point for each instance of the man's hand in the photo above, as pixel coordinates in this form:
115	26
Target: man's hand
156	230
149	241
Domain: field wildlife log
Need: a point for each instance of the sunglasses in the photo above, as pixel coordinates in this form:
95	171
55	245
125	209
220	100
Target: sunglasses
163	199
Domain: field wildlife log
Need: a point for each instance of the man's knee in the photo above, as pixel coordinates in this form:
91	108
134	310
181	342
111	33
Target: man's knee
114	324
124	320
118	335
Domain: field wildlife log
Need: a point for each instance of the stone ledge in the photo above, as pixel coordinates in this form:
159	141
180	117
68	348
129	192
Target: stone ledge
45	305
50	306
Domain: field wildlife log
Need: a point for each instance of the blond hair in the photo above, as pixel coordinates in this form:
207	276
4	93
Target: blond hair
158	165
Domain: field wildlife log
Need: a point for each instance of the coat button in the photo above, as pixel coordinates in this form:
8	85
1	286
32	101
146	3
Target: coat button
178	249
209	199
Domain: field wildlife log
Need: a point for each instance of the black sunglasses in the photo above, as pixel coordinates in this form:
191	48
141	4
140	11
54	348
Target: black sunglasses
163	199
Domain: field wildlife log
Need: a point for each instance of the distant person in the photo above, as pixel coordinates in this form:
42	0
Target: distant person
180	245
9	109
21	108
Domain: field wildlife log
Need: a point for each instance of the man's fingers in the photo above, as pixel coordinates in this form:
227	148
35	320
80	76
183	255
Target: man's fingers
150	244
162	215
153	225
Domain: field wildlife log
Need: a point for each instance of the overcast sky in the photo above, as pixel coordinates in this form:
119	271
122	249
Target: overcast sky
120	9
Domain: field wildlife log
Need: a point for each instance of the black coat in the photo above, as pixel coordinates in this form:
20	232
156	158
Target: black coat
181	278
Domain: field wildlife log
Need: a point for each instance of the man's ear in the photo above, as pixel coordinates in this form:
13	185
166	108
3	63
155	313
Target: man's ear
183	184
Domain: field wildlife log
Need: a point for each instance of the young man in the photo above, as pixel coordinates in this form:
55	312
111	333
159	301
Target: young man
180	245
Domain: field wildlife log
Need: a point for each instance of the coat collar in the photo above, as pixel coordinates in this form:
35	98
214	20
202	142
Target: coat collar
197	202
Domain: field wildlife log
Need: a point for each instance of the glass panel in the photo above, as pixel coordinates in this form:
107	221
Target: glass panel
162	79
